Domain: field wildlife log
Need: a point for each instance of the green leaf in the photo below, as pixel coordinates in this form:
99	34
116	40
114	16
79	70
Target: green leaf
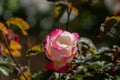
110	22
5	60
97	56
118	77
43	75
59	10
5	69
20	23
34	50
3	28
6	66
77	77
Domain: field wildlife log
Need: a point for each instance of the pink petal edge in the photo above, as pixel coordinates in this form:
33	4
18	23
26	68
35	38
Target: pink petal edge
55	33
76	36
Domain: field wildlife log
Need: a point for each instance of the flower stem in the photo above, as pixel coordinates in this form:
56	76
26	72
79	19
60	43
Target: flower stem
59	76
68	17
28	61
28	55
8	48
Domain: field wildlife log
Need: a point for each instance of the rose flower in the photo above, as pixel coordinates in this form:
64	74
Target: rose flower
60	47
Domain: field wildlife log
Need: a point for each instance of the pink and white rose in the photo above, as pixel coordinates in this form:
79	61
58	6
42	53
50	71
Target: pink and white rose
61	46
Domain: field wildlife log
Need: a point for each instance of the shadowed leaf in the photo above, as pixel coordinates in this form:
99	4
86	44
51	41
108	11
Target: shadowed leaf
34	50
106	27
27	74
3	28
59	10
74	9
6	66
43	75
15	47
20	23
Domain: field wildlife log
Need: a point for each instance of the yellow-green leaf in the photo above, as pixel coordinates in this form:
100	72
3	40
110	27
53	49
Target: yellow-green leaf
110	22
27	74
35	50
113	17
75	10
3	28
18	22
15	53
14	45
57	10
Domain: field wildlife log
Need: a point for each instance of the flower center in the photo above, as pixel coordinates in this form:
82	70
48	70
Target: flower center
64	41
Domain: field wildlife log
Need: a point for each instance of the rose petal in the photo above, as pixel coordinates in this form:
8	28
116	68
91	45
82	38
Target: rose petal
55	33
58	53
74	50
57	67
67	34
66	59
50	66
64	40
46	46
61	46
76	36
47	42
63	68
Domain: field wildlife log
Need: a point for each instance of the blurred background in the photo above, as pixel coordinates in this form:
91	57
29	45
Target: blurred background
40	16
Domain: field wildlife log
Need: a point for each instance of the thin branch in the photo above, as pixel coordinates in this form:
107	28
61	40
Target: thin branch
28	56
7	46
59	76
68	17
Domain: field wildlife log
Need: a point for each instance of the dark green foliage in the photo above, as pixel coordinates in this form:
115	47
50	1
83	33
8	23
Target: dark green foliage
43	75
6	66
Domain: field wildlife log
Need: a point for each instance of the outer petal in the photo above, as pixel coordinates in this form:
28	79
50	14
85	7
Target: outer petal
47	45
70	58
47	42
67	59
50	66
76	36
63	68
55	33
57	67
74	50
